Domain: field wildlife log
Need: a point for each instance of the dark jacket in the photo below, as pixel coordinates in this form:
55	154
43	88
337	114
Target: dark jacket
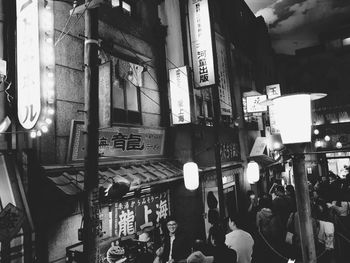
181	248
223	254
270	225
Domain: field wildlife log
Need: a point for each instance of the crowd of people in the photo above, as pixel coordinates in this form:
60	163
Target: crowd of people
269	231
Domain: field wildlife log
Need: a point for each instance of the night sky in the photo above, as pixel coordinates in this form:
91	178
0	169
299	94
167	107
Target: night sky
295	24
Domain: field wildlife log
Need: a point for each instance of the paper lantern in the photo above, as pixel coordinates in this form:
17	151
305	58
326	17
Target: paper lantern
293	116
253	172
191	175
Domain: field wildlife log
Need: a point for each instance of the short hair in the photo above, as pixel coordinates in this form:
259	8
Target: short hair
265	201
290	188
171	218
279	188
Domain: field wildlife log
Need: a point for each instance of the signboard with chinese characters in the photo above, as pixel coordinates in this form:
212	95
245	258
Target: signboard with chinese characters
179	95
118	141
201	42
254	103
224	83
104	94
273	91
35	72
135	214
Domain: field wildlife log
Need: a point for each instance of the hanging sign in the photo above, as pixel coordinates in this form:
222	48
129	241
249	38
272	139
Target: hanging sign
273	91
224	84
135	214
254	103
35	70
201	42
179	95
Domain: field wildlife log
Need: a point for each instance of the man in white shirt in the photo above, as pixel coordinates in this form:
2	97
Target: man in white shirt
241	241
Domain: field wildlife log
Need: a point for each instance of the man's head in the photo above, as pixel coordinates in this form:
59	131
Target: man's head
198	257
171	225
279	190
233	222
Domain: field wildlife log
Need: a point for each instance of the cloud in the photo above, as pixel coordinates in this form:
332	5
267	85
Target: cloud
268	14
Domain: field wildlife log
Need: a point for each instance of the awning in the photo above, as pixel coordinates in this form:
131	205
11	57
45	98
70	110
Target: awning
70	180
257	153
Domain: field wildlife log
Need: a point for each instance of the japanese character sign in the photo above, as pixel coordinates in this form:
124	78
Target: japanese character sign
136	214
180	98
202	50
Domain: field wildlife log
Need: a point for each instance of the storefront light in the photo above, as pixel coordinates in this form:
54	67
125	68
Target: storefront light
293	116
316	132
253	172
327	138
191	175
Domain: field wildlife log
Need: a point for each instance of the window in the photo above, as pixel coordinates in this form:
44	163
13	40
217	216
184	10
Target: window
124	5
126	83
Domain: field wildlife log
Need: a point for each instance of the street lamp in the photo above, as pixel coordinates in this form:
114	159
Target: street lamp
293	119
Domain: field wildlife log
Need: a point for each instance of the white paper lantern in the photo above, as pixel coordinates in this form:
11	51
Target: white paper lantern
293	116
191	175
253	172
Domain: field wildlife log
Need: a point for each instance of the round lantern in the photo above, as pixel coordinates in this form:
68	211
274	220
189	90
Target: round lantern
293	116
253	172
191	175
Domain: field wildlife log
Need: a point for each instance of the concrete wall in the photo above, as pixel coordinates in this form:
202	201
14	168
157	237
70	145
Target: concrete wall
69	89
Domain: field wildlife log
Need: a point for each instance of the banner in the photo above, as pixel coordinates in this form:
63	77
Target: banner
179	95
201	42
224	83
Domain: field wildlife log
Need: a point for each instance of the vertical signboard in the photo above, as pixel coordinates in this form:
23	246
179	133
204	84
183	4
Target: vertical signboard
179	95
36	64
273	91
201	42
224	84
28	76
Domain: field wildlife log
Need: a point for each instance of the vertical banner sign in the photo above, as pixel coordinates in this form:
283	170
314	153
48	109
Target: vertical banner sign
36	63
273	91
28	76
224	84
201	42
179	95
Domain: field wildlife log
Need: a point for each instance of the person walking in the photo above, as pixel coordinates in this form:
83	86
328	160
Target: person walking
221	252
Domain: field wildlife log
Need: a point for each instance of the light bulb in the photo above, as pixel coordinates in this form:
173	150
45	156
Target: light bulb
327	138
316	131
44	129
338	144
33	134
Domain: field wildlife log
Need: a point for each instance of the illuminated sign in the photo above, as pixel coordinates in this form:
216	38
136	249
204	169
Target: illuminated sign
35	67
254	103
201	41
179	94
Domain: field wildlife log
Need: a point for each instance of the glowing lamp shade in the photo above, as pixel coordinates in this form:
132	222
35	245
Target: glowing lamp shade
253	172
293	118
191	175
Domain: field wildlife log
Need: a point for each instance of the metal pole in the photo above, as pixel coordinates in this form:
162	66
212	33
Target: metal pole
91	202
304	209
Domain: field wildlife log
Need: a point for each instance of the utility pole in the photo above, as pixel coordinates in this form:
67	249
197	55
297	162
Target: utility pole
304	208
91	207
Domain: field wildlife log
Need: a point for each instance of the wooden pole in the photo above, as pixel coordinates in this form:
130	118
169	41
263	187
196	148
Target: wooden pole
91	201
304	209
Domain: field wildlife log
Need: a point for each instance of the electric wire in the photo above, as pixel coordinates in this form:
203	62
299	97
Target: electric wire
66	24
75	23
